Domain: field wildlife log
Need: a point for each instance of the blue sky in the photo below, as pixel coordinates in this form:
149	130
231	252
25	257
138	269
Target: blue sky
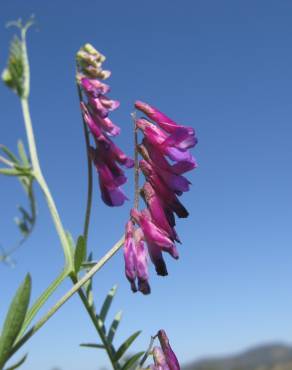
223	67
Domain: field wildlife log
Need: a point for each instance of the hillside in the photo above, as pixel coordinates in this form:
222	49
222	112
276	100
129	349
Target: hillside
265	357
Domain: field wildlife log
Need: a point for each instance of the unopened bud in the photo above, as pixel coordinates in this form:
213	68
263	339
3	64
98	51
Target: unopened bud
91	50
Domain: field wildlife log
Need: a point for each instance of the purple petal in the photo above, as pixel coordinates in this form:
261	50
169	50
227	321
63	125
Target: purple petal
168	352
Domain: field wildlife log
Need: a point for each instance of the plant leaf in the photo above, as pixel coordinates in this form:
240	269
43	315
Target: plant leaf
107	303
9	154
22	154
14	319
92	345
19	363
124	346
11	172
114	326
131	362
80	253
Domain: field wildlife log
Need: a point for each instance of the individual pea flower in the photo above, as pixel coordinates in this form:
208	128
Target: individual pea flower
157	240
160	362
95	107
164	358
136	259
170	356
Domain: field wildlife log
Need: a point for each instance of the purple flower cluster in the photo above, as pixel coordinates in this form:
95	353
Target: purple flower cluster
166	157
164	357
106	156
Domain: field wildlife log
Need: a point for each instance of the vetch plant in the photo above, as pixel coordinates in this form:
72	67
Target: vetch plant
165	158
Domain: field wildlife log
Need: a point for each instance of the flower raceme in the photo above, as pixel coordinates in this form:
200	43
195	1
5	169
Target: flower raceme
96	107
165	159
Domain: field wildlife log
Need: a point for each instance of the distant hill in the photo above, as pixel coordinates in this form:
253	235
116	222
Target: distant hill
265	357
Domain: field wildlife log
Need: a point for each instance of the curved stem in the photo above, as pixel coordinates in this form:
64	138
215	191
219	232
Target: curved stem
89	175
42	182
67	296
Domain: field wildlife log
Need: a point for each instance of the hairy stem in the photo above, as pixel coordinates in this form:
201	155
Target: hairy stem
89	175
67	296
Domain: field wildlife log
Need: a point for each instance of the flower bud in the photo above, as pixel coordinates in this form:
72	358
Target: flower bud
91	50
167	350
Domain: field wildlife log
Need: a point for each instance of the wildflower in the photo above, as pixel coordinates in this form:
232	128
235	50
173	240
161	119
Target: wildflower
166	158
170	356
159	359
95	108
136	259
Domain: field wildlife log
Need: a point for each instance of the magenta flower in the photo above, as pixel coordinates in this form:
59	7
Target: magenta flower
106	155
160	362
175	146
167	196
166	157
157	240
136	259
160	118
170	356
158	211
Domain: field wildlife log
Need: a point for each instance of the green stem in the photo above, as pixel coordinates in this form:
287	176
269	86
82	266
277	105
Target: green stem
89	175
42	182
90	310
67	296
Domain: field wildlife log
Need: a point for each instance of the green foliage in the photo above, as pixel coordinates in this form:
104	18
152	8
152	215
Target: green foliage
118	356
125	345
131	363
14	319
20	167
18	364
79	254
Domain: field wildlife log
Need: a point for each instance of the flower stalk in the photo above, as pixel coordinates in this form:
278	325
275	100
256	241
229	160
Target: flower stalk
89	174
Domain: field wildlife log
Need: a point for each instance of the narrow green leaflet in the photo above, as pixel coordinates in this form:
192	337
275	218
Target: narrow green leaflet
114	326
18	364
22	154
9	154
123	348
14	319
92	345
107	303
80	253
132	361
21	168
12	172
